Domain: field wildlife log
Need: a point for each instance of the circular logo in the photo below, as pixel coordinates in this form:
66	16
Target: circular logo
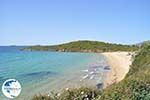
11	88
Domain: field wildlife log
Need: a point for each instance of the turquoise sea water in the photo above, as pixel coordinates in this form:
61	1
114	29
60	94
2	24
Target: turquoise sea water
40	72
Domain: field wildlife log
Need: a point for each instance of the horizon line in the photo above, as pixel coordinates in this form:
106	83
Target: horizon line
48	44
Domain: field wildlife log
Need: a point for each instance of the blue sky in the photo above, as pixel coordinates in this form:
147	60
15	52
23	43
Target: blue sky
31	22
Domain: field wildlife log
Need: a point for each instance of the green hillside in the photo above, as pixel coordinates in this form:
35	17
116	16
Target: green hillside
84	46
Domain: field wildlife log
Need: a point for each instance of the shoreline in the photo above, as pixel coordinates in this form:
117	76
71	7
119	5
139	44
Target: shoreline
120	64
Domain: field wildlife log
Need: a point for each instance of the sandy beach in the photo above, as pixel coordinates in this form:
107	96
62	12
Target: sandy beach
120	62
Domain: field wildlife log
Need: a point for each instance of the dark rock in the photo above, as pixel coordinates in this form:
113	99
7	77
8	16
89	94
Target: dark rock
99	85
107	68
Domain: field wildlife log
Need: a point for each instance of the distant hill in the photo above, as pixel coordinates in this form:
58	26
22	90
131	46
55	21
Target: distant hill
143	43
84	46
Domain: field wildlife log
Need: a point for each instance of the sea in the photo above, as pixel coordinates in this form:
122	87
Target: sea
41	72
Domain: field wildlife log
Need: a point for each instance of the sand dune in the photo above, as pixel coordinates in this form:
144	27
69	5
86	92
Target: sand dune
120	62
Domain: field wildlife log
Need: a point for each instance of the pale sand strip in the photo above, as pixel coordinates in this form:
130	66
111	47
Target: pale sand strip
120	62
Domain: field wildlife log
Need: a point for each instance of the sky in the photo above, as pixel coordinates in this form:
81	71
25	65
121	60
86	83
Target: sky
48	22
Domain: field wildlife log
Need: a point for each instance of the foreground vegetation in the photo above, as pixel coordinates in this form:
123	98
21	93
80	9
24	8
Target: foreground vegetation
135	86
84	46
82	93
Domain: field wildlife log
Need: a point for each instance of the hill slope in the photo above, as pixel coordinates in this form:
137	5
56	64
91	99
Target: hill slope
136	85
